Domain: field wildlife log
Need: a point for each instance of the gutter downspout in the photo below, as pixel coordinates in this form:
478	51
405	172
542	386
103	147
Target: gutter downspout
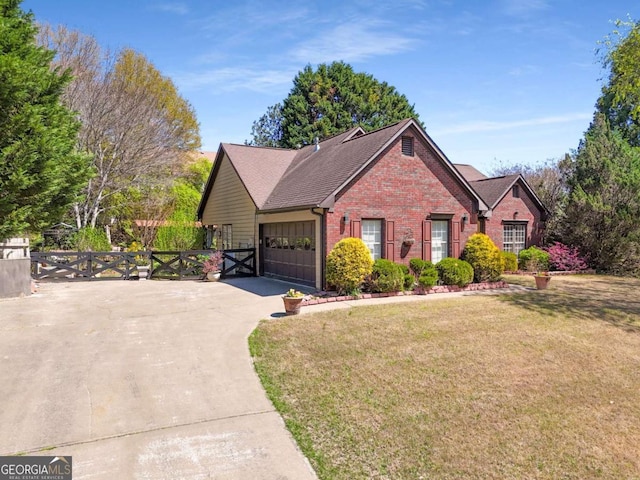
323	240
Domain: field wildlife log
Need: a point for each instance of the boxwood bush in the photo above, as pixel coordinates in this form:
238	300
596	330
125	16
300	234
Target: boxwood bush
453	271
484	257
409	279
348	263
425	272
387	276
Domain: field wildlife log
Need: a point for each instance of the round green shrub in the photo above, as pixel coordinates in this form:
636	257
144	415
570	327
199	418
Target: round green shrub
510	260
484	257
417	266
429	277
533	259
455	272
348	263
409	279
387	276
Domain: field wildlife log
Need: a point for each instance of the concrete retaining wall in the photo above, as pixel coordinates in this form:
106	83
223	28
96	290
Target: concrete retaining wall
15	277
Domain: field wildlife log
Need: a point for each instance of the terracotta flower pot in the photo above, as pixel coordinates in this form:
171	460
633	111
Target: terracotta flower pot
292	305
542	281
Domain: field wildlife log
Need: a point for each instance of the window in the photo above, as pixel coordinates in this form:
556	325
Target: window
513	239
372	237
516	191
439	240
227	236
407	146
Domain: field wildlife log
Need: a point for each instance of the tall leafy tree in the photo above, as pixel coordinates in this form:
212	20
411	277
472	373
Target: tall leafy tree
40	171
327	101
603	203
620	99
135	124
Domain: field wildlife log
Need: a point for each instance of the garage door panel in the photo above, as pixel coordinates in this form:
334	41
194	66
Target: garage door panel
289	251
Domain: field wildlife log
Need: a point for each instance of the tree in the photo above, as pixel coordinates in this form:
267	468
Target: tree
620	99
40	170
328	101
134	122
267	131
603	204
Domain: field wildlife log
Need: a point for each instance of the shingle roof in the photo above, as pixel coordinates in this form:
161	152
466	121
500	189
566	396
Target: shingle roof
259	168
470	173
279	179
316	175
491	190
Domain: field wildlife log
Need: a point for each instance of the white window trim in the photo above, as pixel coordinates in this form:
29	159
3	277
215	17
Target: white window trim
371	245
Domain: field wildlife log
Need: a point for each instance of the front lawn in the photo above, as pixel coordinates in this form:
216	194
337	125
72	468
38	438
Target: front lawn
538	384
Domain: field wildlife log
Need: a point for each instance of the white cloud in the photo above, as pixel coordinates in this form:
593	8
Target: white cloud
178	8
352	42
235	78
489	126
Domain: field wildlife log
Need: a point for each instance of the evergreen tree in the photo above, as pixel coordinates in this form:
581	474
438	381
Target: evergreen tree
40	171
603	204
328	101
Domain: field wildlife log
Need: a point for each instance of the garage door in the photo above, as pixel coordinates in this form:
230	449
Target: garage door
289	251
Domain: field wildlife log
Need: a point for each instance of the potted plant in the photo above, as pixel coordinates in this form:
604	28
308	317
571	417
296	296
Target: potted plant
212	266
540	275
292	300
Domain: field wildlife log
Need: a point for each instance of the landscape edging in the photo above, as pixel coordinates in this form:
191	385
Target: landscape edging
438	289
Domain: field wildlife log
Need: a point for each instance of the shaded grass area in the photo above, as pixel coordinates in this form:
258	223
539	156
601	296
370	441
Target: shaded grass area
538	385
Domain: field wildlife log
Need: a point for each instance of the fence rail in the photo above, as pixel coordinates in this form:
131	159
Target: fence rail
176	265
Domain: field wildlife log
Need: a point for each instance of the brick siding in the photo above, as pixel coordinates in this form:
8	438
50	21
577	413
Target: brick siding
404	190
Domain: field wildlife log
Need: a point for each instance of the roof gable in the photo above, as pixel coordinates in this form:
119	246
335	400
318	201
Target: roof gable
316	174
493	190
279	179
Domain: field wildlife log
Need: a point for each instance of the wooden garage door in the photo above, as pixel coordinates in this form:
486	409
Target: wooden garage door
289	251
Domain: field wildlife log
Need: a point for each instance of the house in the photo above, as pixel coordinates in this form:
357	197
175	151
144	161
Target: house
392	187
517	216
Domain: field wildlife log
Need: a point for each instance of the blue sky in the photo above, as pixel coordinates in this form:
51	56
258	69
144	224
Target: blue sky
494	81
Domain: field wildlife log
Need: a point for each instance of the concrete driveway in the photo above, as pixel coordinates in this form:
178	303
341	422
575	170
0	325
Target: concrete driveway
143	380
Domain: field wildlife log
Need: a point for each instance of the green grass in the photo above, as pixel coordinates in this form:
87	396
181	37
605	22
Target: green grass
538	384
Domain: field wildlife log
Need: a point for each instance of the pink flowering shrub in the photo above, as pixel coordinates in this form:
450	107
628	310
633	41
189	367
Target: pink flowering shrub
565	258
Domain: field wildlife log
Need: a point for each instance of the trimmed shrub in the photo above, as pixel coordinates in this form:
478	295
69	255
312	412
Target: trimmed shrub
565	258
417	266
387	276
409	279
424	272
455	272
429	277
348	263
484	257
533	259
510	260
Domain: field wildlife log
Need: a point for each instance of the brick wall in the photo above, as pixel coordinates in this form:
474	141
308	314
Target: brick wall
406	191
506	210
